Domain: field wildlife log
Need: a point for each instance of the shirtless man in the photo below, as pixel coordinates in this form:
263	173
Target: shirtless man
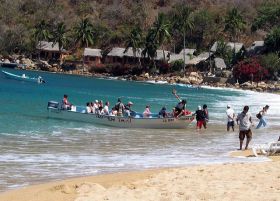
180	107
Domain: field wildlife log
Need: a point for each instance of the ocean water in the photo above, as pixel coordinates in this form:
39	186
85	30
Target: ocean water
36	149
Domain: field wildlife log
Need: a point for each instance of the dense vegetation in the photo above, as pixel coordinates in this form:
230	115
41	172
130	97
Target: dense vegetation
150	24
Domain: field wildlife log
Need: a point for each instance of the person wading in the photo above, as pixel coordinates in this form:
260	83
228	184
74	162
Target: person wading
244	120
261	115
230	116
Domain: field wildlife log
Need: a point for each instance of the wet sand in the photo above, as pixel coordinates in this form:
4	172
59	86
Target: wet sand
238	181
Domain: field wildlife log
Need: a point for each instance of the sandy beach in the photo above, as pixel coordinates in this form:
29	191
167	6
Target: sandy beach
239	181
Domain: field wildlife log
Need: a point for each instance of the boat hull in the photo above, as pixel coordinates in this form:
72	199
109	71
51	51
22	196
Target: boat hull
20	78
9	65
121	122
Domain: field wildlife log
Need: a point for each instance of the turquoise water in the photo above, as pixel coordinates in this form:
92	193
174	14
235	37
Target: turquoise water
35	149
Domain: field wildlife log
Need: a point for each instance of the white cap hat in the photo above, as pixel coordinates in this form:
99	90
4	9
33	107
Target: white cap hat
228	106
96	101
199	107
130	103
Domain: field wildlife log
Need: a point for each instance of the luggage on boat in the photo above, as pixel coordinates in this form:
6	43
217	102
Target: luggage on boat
53	105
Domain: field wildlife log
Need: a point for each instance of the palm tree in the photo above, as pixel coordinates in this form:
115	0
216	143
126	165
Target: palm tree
161	29
234	24
183	22
272	40
156	37
41	32
84	33
135	41
60	36
151	46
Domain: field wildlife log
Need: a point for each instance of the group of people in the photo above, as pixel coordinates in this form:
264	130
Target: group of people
97	107
121	109
244	120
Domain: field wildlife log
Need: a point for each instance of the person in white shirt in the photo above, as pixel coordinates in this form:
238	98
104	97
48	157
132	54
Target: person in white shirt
244	120
127	109
261	115
230	117
88	108
106	108
92	108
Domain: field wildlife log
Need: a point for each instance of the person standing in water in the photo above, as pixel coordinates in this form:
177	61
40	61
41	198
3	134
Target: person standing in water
261	115
230	117
200	118
244	120
206	114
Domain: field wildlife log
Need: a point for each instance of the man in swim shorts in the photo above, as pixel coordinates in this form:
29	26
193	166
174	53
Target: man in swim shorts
244	120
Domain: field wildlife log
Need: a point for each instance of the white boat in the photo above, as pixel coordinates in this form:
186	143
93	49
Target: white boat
23	77
78	114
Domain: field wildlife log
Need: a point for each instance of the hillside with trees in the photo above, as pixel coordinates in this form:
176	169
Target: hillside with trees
146	24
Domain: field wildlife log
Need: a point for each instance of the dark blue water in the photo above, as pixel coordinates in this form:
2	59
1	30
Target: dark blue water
34	148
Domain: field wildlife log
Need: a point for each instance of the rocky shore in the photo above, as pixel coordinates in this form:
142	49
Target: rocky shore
196	79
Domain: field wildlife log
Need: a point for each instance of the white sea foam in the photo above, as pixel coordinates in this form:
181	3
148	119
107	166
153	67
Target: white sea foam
156	82
60	148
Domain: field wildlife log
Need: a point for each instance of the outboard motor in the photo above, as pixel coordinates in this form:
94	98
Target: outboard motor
53	105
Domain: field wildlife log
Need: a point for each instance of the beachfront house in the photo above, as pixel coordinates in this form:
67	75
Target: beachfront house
162	56
48	50
92	57
130	58
176	57
118	55
187	51
219	64
115	55
202	60
188	56
258	47
238	48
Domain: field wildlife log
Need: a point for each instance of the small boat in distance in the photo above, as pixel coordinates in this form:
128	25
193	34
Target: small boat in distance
23	77
78	113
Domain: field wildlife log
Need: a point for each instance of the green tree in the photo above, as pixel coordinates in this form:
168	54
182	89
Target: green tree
272	41
41	32
135	41
59	35
206	28
268	16
183	21
161	29
234	23
224	51
84	33
151	46
271	62
156	37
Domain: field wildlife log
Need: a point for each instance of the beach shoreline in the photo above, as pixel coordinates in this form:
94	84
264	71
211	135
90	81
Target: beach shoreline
228	181
266	87
80	188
